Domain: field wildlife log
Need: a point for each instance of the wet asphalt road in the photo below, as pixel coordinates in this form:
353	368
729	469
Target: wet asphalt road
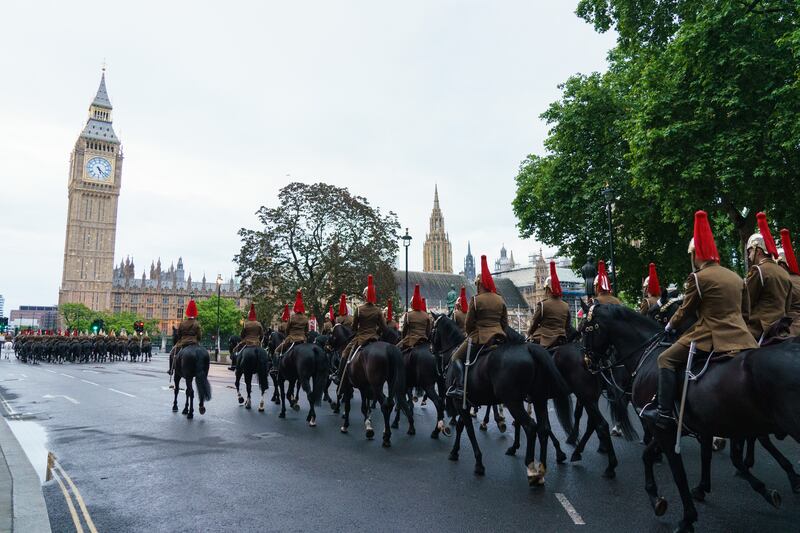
140	467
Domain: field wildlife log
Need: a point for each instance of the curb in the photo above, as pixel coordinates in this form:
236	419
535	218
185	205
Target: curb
30	511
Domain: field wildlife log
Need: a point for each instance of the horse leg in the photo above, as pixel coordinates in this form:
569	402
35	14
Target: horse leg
750	456
679	476
512	450
346	416
386	410
365	410
441	427
294	399
238	379
700	491
524	422
543	430
794	479
408	409
479	468
190	397
560	455
280	386
396	421
499	419
577	453
177	382
737	456
603	433
248	383
276	398
459	429
485	423
572	438
658	503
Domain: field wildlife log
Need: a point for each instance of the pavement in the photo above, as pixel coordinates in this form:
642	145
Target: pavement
123	461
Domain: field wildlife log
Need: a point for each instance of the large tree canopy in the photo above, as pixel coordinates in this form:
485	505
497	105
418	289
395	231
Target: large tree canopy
321	239
230	317
700	109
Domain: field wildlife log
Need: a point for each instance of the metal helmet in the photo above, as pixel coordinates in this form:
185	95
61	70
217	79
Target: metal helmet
646	282
755	241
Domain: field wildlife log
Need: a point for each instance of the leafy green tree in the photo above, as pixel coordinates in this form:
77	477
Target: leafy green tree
321	239
230	317
76	316
125	320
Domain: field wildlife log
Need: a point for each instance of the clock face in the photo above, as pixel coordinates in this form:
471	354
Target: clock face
99	168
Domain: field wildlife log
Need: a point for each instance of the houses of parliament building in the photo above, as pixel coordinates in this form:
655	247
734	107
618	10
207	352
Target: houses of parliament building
89	275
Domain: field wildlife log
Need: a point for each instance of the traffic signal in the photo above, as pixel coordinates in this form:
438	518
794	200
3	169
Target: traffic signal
138	326
3	324
97	325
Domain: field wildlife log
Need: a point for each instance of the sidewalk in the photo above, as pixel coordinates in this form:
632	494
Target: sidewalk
22	507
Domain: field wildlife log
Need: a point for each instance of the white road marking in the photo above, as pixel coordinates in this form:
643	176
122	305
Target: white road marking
63	374
7	406
90	382
51	371
573	514
23	375
120	392
73	400
92	371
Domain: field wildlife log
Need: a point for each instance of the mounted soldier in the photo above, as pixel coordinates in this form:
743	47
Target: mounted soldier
391	323
284	324
768	285
252	331
417	324
486	323
552	317
602	287
368	326
344	317
189	333
298	325
460	312
788	260
651	291
327	324
718	297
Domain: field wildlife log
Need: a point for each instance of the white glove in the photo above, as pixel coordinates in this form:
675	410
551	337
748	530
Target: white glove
668	328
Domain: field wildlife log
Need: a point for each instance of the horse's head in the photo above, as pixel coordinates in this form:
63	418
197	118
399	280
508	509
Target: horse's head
445	335
626	330
340	336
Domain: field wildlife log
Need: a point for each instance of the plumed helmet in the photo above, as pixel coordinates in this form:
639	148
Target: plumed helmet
191	309
653	287
462	299
485	277
788	252
389	310
251	316
553	282
601	281
702	244
763	239
369	292
285	315
416	300
299	306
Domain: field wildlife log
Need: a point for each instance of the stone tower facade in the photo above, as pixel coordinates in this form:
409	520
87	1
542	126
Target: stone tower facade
469	264
437	251
95	172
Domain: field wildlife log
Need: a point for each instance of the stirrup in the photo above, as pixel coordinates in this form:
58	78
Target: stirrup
662	419
455	392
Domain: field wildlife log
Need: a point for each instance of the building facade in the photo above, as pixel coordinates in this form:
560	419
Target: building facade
469	264
34	317
505	262
437	250
2	306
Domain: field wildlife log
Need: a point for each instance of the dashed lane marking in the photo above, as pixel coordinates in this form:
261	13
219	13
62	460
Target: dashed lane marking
91	371
573	514
75	492
51	371
63	374
120	392
90	382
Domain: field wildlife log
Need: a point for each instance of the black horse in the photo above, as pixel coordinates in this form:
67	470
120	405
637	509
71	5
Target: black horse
510	373
304	363
753	394
333	356
192	363
252	360
374	365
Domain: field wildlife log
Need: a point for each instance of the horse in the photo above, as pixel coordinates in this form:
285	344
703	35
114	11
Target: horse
333	356
304	363
252	360
192	363
233	342
509	373
273	339
372	366
754	393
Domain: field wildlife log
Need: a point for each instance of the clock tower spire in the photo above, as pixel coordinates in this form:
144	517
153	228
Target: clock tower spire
95	172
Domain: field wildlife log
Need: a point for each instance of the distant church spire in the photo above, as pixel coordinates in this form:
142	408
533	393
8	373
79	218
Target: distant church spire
437	250
469	264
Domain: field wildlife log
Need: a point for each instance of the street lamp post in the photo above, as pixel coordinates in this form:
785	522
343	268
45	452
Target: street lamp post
406	244
608	194
219	290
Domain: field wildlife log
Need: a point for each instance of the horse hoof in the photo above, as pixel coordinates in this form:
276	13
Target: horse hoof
609	473
241	400
480	470
190	416
660	506
370	434
435	434
312	423
247	405
796	485
572	441
453	456
561	457
511	451
282	414
575	457
424	403
174	408
395	425
412	431
296	407
699	494
386	444
260	408
502	427
185	411
773	498
602	450
343	429
202	409
718	444
483	427
446	431
684	527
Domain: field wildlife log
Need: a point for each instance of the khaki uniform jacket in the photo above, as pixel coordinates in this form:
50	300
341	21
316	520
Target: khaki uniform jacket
282	327
368	321
346	320
607	299
487	318
416	328
188	333
719	298
647	303
461	319
794	310
550	322
770	290
252	333
298	327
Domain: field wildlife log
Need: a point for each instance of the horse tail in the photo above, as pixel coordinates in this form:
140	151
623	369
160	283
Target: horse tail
557	386
320	375
618	407
397	374
201	378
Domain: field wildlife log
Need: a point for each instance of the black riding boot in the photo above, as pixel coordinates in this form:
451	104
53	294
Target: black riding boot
456	389
663	416
336	377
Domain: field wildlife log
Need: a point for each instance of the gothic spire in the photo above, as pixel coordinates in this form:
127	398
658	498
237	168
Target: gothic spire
436	196
101	99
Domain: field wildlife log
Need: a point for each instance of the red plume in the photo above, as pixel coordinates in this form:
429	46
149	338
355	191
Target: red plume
299	307
371	296
486	276
463	299
653	288
788	250
389	315
191	309
330	313
555	284
251	316
705	249
763	227
285	315
343	305
416	300
424	306
602	277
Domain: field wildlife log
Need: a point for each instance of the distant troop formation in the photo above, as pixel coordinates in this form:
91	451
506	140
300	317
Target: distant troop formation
81	347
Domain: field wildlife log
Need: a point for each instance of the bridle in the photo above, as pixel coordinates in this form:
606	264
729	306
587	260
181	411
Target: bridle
433	336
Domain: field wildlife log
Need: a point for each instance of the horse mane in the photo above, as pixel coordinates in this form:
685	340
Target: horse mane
620	312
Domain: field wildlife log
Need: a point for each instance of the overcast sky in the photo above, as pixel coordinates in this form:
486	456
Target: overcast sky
218	104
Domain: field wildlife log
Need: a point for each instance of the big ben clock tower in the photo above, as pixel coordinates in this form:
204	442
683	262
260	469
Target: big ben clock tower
95	171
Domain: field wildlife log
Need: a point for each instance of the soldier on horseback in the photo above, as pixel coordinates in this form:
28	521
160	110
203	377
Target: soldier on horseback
602	287
552	317
718	297
460	311
651	291
344	317
284	324
297	327
189	333
391	323
252	331
768	285
788	260
417	324
368	326
327	324
486	322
